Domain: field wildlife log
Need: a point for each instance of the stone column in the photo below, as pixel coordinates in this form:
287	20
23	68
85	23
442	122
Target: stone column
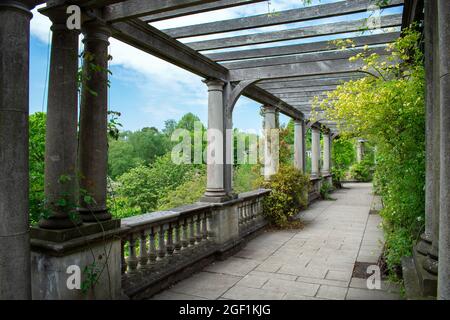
299	145
360	150
444	212
271	147
61	129
93	145
431	263
326	153
315	151
424	246
15	275
215	187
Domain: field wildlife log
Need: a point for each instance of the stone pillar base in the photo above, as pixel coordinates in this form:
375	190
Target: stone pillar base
67	266
419	282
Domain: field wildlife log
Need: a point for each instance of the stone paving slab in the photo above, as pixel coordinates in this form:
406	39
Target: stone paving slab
315	262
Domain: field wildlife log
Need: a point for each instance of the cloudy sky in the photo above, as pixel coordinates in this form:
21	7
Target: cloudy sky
147	90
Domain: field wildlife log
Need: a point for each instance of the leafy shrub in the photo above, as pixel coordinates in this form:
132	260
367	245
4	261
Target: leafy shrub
246	177
289	194
325	190
36	165
144	185
188	192
361	171
121	207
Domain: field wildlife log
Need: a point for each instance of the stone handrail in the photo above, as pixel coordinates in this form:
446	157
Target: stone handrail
159	247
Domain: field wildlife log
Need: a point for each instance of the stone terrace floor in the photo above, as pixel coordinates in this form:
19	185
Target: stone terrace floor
315	262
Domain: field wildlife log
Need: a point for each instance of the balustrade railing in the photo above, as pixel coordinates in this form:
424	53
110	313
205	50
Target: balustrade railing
250	211
156	236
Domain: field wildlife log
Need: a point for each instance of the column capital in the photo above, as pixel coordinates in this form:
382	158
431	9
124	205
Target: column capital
21	5
214	84
95	30
268	108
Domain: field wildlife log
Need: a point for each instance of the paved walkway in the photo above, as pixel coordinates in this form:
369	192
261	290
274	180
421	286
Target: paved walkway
313	263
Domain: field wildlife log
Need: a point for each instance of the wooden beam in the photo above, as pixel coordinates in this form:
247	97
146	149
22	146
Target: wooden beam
294	95
299	84
296	70
301	89
149	39
392	20
205	7
287	16
264	97
300	48
306	57
137	8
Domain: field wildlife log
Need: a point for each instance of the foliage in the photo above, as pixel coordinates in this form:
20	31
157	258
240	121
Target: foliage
362	171
325	190
188	192
122	207
132	149
36	165
342	155
144	185
387	108
246	177
289	195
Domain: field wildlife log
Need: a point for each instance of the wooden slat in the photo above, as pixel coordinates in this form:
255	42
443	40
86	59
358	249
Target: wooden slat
137	8
300	84
392	20
311	77
205	7
287	16
300	48
296	70
307	57
301	89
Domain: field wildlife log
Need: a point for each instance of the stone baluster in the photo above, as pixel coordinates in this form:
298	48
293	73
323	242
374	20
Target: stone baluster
205	226
170	247
177	244
192	231
122	254
152	254
198	236
161	242
132	260
143	257
185	238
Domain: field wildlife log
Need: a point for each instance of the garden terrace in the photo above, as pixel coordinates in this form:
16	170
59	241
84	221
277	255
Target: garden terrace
265	66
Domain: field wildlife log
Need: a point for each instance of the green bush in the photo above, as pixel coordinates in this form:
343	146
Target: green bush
289	195
121	207
362	171
246	178
188	192
325	190
145	185
36	165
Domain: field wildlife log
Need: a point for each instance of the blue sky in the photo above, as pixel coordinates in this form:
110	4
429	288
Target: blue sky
148	91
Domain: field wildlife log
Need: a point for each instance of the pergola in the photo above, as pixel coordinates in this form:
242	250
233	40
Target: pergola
282	77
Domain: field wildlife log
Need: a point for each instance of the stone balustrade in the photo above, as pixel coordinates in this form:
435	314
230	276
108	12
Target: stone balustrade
161	248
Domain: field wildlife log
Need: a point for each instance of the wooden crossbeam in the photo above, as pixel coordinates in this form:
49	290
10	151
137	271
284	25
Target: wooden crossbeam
149	39
300	48
287	16
300	84
392	20
137	8
306	57
204	7
301	89
324	67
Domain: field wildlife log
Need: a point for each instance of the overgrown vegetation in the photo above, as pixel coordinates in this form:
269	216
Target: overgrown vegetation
289	195
387	108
